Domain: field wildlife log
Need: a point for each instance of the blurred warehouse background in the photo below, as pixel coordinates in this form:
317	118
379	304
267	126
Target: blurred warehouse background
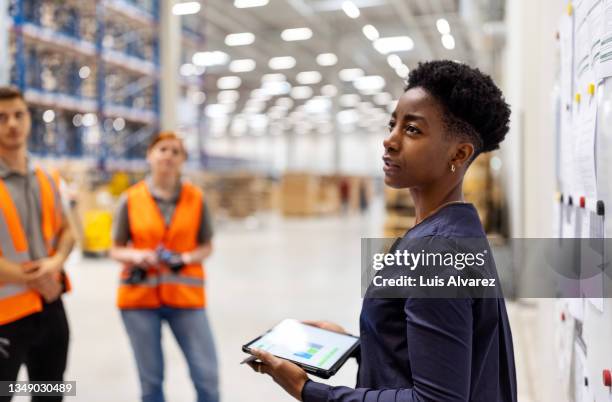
283	105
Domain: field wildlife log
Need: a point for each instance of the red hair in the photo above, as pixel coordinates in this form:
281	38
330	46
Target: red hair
167	135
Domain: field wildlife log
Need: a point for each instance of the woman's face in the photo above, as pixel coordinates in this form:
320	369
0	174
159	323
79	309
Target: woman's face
417	151
166	157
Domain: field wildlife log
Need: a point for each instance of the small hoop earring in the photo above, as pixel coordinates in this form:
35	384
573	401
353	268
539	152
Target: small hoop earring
453	168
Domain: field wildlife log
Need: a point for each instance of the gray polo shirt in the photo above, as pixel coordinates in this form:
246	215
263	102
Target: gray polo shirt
25	192
121	224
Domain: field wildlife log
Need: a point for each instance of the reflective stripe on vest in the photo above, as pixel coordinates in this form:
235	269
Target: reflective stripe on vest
51	216
154	281
11	290
148	230
17	301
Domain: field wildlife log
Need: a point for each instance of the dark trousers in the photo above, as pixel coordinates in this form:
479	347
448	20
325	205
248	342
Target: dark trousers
40	341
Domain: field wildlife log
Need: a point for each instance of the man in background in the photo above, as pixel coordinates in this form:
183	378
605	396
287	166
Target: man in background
35	241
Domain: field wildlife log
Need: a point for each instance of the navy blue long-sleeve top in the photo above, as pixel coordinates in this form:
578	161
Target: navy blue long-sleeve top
425	350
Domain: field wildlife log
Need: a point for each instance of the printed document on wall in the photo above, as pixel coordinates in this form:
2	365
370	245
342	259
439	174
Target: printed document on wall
568	139
566	39
604	69
584	74
584	158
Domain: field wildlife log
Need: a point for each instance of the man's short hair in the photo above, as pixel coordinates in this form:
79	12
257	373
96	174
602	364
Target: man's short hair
10	93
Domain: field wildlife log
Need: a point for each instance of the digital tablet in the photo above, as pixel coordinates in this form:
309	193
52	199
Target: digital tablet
318	351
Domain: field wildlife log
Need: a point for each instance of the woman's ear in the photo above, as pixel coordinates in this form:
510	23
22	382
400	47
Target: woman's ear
464	152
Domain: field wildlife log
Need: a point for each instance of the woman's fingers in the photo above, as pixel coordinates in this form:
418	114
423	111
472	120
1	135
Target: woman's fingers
267	358
258	367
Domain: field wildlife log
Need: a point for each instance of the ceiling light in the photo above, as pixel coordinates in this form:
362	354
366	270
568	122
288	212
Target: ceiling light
239	126
207	59
370	32
402	71
229	96
329	90
371	82
229	82
275	77
347	117
349	100
350	74
77	120
295	34
239	39
364	106
48	116
254	106
443	26
394	61
448	41
301	92
286	103
350	9
84	72
242	65
275	88
186	8
382	99
394	44
317	105
327	59
281	63
119	124
249	3
260	94
188	70
309	77
90	119
216	110
198	97
258	122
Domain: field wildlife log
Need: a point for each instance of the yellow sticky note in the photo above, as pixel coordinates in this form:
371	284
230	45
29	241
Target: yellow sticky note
578	97
591	89
570	9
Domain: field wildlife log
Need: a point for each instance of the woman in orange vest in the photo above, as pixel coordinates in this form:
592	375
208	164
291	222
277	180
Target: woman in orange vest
162	234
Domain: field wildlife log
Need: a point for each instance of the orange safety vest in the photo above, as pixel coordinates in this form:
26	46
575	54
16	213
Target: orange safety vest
17	300
148	230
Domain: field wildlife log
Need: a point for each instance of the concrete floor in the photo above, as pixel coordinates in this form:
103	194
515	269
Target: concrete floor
260	273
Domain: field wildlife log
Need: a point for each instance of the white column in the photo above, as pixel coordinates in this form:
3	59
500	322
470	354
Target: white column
529	171
170	39
5	67
530	75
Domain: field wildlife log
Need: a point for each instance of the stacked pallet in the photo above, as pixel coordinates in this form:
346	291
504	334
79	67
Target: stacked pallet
400	212
299	194
328	199
239	194
477	187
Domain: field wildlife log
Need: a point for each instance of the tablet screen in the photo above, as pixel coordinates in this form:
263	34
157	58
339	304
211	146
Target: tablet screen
306	344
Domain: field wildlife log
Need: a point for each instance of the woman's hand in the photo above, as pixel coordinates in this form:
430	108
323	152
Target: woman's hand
330	326
286	374
144	258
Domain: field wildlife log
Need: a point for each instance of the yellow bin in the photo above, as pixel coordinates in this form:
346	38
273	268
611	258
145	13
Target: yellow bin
97	232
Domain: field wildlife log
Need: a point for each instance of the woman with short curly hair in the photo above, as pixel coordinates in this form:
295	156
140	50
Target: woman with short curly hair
429	349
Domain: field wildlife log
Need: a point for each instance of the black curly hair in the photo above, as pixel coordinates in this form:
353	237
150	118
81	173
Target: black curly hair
474	107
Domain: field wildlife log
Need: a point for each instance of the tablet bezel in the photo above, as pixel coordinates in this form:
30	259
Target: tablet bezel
317	371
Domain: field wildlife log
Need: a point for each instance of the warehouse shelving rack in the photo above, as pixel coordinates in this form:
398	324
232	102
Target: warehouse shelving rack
116	128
